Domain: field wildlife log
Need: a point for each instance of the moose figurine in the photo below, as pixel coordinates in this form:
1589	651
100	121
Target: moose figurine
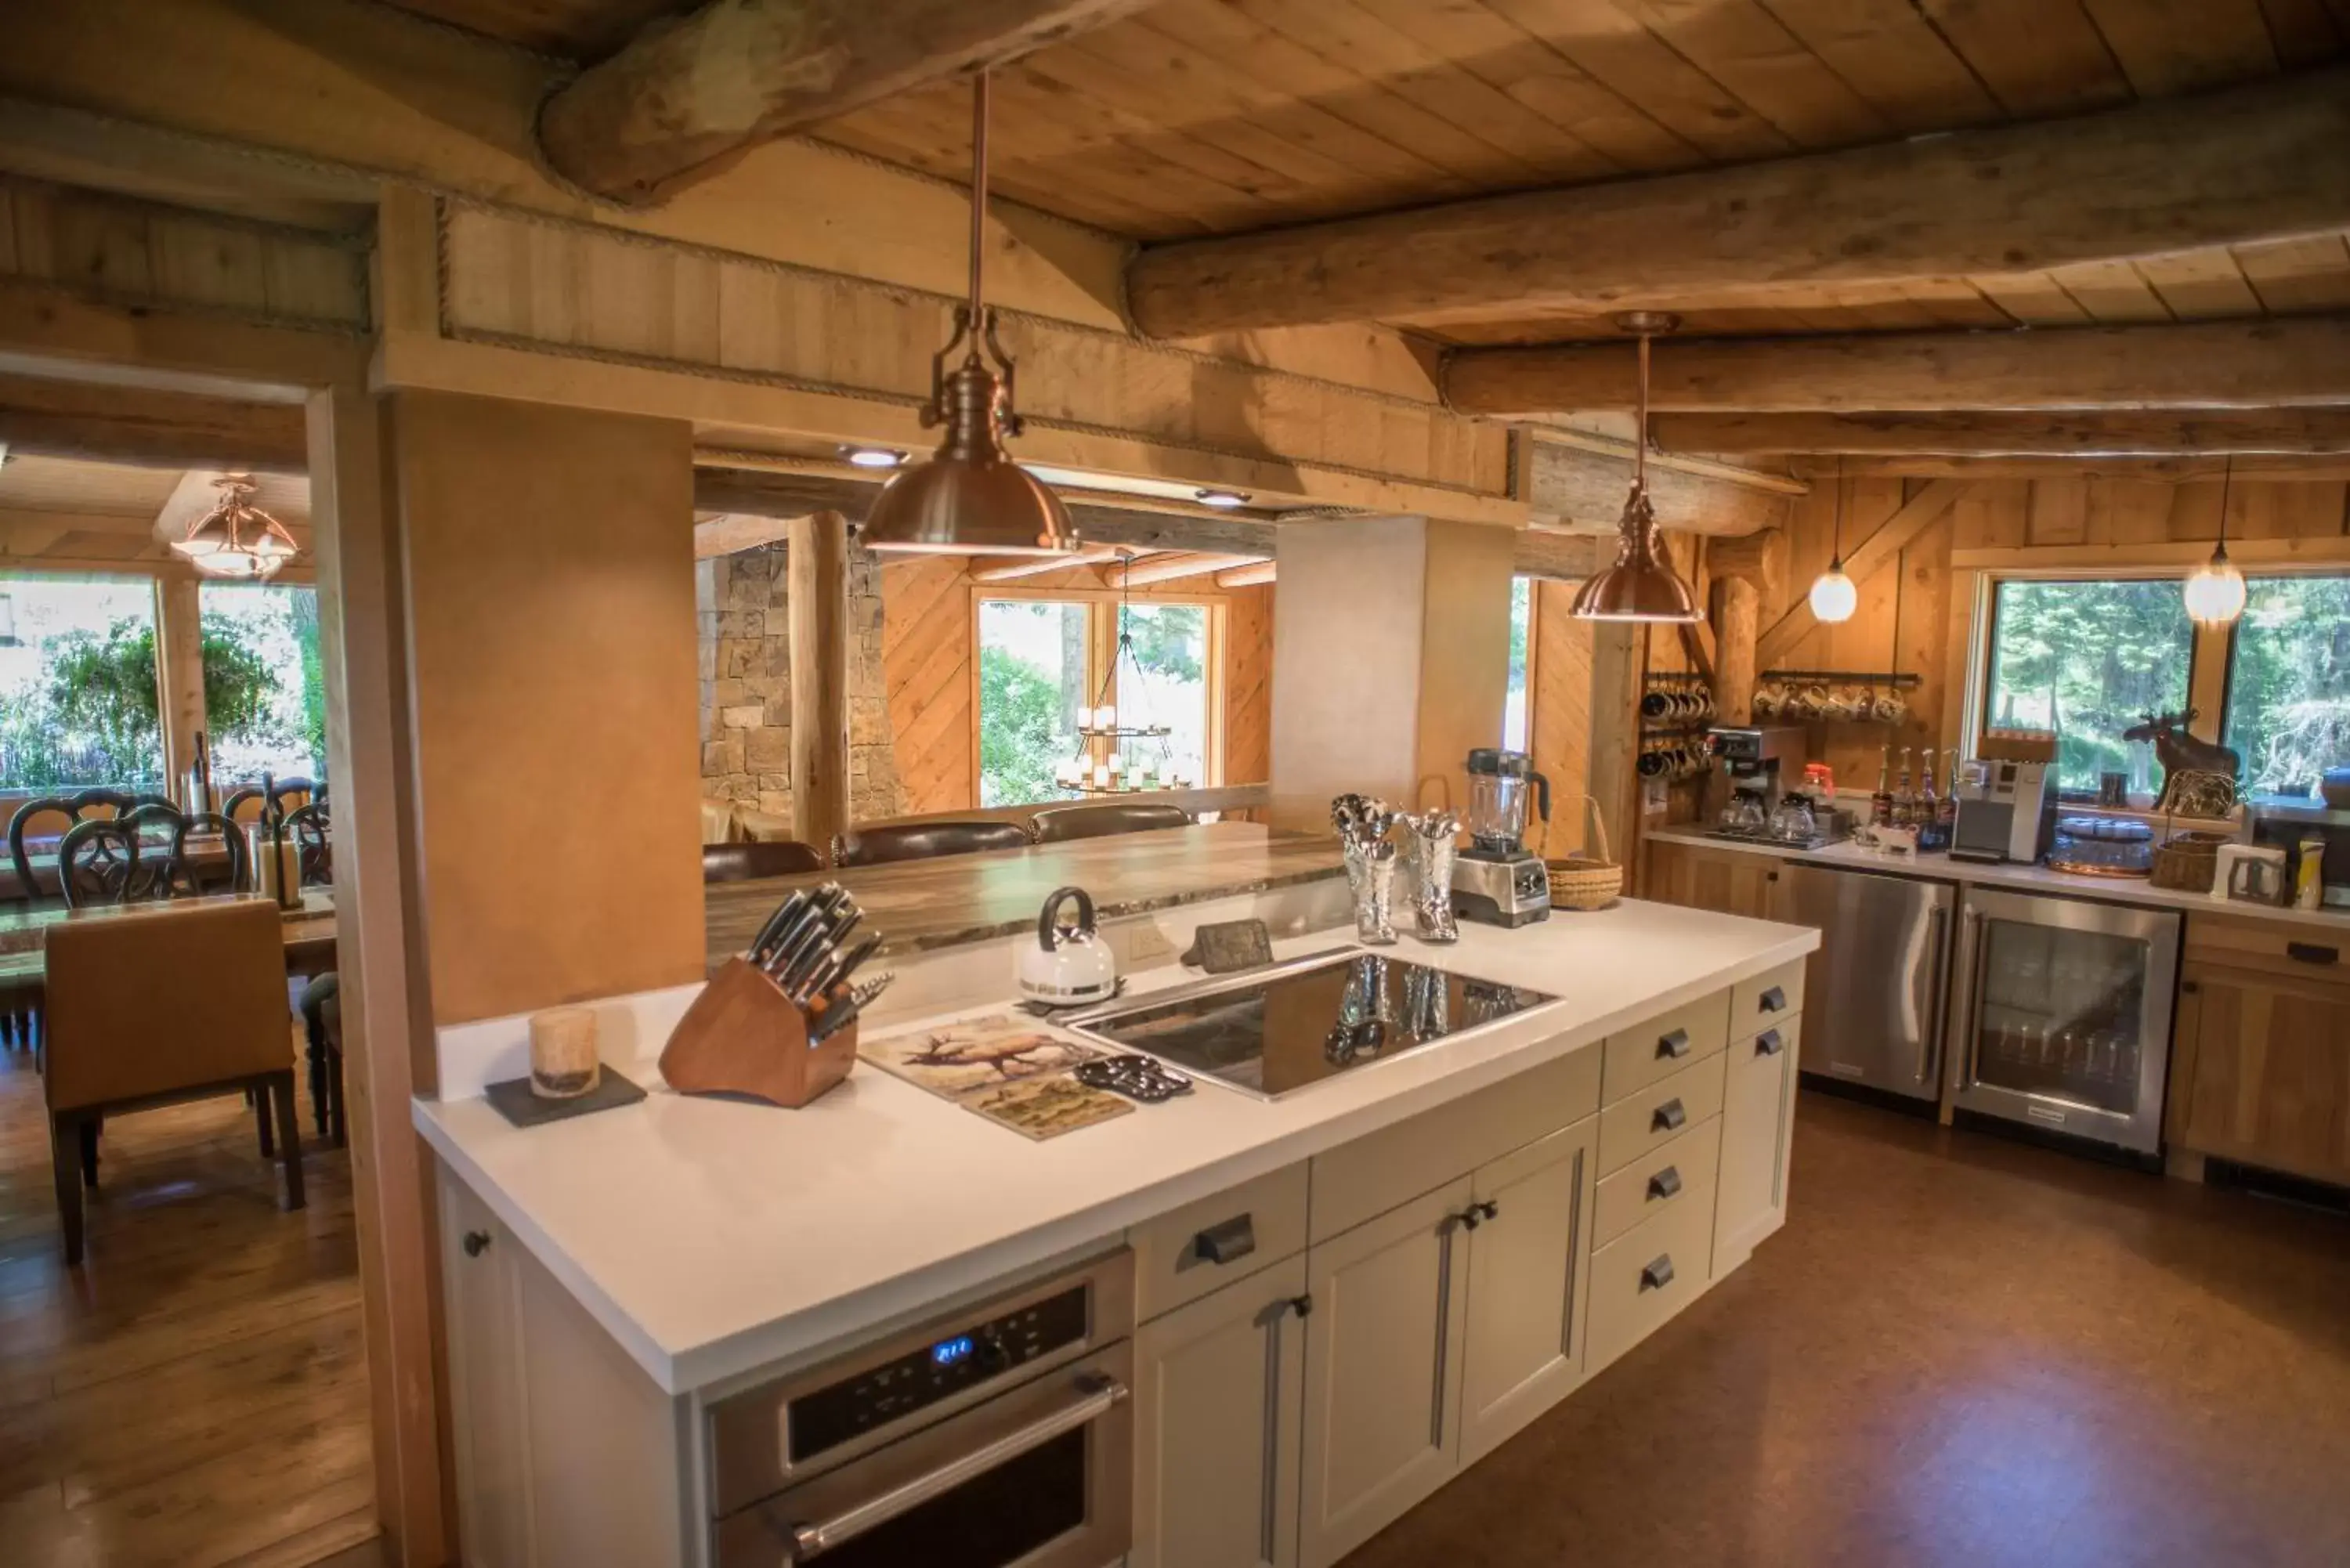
2199	777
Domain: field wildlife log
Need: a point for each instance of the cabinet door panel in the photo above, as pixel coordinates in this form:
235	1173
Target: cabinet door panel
1382	1370
488	1404
1525	1287
2271	1073
1220	1386
1758	1128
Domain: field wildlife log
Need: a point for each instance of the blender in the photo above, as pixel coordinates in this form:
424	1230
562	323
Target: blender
1497	879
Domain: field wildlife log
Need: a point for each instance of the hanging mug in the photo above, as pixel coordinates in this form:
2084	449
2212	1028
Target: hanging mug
1656	704
1891	708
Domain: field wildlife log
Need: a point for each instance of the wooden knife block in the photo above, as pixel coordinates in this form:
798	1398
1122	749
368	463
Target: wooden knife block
743	1036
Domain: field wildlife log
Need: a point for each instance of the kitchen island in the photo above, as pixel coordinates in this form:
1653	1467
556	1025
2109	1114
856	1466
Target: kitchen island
1523	1201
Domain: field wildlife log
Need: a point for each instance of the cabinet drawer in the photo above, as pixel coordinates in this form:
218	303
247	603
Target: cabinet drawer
1181	1257
1658	1181
1648	1274
1639	1123
2305	952
1664	1044
1766	999
1358	1180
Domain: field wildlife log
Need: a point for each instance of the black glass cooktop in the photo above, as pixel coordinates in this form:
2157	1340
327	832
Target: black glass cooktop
1276	1032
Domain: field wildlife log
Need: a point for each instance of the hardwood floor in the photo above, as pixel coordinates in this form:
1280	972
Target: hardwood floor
194	1395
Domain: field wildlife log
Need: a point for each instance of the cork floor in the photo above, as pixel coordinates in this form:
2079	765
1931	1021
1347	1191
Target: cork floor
1961	1350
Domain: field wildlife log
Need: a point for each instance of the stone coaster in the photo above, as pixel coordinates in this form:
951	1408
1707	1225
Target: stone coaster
515	1101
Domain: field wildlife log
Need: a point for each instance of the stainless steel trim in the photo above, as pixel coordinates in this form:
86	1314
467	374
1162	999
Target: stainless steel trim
1937	1025
1207	986
1268	1504
813	1540
1975	957
1574	1258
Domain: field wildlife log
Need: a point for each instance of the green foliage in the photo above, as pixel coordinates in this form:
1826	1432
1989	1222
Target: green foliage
1521	617
1169	640
1020	738
302	605
2288	692
2090	660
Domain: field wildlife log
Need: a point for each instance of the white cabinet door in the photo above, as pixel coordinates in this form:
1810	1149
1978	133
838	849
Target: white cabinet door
489	1404
1530	1213
1758	1125
1382	1371
1219	1387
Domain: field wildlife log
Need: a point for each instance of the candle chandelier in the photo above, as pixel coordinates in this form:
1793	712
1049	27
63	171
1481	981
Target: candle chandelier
1116	755
237	538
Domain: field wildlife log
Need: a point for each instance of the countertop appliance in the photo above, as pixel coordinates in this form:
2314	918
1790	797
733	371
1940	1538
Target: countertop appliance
1272	1032
1875	988
1069	966
2007	811
2060	1015
999	1435
1761	765
2286	821
1496	879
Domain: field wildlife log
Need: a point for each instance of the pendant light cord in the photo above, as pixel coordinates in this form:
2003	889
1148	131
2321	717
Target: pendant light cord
2227	483
978	210
1640	456
1835	558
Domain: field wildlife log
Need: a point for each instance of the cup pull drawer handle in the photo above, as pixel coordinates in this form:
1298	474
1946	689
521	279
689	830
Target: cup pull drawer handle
1774	1001
1666	1183
1673	1046
1659	1274
1768	1044
1224	1242
1669	1117
2312	953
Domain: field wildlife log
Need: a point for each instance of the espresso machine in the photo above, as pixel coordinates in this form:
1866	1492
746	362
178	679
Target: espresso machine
1497	879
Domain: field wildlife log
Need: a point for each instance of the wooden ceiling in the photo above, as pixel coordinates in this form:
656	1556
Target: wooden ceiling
60	512
577	29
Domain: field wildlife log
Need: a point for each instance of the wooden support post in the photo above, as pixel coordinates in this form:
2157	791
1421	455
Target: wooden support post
816	580
1614	779
179	671
1737	616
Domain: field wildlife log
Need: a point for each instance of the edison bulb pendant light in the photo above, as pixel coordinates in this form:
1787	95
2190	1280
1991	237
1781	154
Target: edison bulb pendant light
2215	594
1833	596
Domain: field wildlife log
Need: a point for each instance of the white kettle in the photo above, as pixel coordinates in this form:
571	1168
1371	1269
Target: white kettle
1070	966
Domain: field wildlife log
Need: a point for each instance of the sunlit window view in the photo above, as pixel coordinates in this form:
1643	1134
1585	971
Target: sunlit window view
1033	664
264	691
2088	660
1170	648
78	694
1513	711
2289	691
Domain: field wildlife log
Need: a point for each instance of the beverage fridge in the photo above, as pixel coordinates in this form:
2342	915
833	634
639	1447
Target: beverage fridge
2060	1015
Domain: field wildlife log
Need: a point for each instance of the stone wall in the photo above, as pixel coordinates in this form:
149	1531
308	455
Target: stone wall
747	685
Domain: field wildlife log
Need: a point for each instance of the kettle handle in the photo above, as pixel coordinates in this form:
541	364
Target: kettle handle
1542	794
1047	936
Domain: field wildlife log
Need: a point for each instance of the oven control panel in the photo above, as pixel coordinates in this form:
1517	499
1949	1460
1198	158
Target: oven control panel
827	1417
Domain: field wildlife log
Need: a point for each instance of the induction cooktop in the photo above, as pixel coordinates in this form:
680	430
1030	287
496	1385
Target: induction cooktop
1274	1031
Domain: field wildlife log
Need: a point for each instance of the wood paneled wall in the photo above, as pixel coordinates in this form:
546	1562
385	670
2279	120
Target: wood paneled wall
1558	702
926	654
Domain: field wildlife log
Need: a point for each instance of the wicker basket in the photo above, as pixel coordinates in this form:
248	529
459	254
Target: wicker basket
1583	881
2189	862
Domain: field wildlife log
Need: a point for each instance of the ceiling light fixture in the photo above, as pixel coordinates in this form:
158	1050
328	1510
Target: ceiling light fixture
1224	500
971	498
2215	594
1642	585
874	456
237	538
1834	594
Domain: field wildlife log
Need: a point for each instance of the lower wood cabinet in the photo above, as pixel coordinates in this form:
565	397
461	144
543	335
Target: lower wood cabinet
1526	1285
2263	1062
1220	1386
1727	881
1758	1124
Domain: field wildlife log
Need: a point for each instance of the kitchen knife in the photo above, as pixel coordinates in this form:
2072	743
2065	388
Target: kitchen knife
783	914
802	937
833	968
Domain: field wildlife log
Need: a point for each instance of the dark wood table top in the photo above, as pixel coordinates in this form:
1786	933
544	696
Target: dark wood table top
309	935
920	905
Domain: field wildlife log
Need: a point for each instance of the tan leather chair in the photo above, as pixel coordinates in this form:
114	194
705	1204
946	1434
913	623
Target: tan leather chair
1063	823
751	862
921	840
150	1007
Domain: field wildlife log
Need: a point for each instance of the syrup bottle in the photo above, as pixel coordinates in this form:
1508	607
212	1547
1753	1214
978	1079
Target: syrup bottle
1881	805
1905	800
1929	805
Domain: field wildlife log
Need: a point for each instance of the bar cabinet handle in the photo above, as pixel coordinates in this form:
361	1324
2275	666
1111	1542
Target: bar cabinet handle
2312	953
1659	1274
477	1242
1774	1001
1768	1043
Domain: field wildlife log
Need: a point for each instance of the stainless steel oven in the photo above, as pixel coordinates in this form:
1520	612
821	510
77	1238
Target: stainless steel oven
2061	1017
998	1437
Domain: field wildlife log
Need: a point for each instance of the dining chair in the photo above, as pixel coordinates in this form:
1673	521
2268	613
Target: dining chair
321	1007
158	1007
246	805
288	795
54	817
308	825
1062	824
196	875
747	862
880	845
107	861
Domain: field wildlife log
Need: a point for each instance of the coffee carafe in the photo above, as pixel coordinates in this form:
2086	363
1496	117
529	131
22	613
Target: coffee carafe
1497	879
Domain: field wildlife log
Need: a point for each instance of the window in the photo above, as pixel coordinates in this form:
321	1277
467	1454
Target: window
264	692
1514	712
1171	645
79	704
2088	660
2289	690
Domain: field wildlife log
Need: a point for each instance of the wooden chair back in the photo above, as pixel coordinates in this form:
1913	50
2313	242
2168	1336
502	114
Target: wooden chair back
107	861
307	827
880	845
196	881
149	1005
1063	822
56	815
749	862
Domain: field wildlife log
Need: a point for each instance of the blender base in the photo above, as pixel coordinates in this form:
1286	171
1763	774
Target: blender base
1501	889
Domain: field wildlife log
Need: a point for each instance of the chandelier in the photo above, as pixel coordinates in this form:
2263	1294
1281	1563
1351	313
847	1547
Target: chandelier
237	538
1115	755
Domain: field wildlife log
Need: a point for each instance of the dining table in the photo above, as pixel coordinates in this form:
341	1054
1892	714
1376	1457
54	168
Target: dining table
309	930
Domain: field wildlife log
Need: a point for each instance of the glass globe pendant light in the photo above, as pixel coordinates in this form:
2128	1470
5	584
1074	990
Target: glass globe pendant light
2215	594
237	538
1642	586
1834	594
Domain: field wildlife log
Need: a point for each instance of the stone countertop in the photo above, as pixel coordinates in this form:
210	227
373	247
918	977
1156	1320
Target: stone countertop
922	904
1850	855
715	1237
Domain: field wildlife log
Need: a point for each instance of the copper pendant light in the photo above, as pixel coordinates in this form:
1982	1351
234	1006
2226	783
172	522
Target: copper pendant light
237	538
1642	585
971	498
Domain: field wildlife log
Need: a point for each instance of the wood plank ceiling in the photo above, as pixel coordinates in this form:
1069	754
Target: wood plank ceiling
1202	116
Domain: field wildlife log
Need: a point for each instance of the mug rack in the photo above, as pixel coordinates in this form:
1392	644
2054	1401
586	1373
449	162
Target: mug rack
1833	695
1690	699
1899	681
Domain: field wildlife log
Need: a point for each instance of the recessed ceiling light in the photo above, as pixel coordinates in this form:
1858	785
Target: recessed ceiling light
874	456
1226	499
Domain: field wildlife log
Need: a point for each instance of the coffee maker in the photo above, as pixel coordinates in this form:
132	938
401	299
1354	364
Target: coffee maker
1497	879
1760	763
2007	812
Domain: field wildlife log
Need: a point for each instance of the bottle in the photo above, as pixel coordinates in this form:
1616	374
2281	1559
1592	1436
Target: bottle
1946	811
1905	800
1930	807
1881	805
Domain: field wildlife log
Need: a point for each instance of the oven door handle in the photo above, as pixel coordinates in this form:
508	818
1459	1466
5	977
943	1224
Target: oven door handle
1098	1396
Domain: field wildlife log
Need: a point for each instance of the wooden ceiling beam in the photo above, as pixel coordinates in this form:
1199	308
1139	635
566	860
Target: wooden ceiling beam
1177	566
103	424
1256	576
2160	470
1585	489
2303	361
2268	161
687	96
1012	568
2209	432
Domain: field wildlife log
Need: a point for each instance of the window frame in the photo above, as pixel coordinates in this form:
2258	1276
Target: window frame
1101	651
30	568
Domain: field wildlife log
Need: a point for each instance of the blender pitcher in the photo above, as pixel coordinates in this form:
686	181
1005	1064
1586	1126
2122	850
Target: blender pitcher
1501	786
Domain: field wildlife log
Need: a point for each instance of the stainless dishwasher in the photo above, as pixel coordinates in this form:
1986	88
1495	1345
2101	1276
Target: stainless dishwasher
1874	992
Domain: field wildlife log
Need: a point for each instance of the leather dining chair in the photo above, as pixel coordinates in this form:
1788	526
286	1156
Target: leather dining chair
748	862
921	840
152	1007
1063	823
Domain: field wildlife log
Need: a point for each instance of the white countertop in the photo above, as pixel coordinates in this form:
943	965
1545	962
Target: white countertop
1850	855
713	1238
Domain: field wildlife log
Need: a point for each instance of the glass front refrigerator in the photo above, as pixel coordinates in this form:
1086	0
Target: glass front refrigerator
2061	1015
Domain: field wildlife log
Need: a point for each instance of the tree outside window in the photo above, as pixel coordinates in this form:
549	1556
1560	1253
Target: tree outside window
2088	660
1033	661
2289	690
1513	711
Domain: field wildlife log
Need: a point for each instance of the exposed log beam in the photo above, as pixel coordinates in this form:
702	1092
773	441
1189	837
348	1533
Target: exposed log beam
683	99
2170	470
1586	489
1567	557
2132	433
1174	567
1878	550
730	533
1248	577
2300	362
137	425
2268	161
